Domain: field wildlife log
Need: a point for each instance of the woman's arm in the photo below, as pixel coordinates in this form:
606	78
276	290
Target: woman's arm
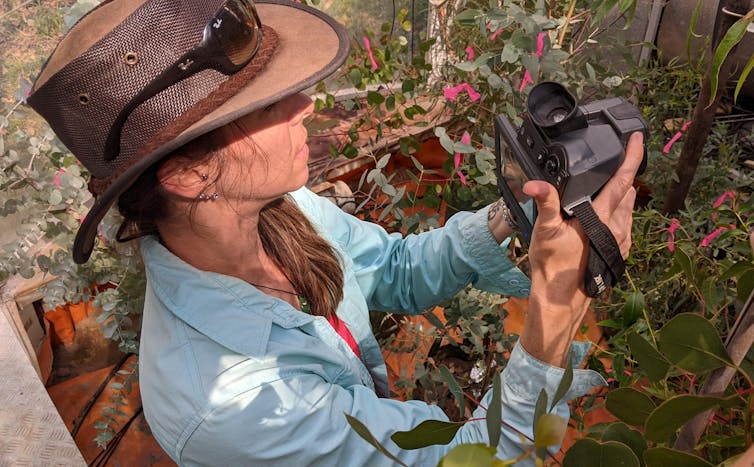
558	256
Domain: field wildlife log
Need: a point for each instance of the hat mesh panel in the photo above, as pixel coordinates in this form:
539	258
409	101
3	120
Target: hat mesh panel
159	32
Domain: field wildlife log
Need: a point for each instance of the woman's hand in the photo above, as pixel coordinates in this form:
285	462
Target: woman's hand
558	257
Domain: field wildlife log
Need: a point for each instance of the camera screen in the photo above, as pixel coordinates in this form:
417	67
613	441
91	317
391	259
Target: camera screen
511	177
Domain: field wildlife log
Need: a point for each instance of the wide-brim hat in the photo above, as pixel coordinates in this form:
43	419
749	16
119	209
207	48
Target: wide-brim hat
115	50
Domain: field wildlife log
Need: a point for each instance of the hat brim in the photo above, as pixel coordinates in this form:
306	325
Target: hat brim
311	47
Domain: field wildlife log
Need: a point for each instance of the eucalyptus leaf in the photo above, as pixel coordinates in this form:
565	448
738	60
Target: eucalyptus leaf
550	430
692	343
565	382
630	405
540	408
731	39
454	388
468	455
663	457
495	411
634	308
427	433
654	364
666	419
632	438
590	453
364	432
745	285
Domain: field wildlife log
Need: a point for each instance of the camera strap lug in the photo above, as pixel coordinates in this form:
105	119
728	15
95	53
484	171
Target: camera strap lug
605	264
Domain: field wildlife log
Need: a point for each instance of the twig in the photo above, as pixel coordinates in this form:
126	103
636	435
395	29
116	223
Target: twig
561	36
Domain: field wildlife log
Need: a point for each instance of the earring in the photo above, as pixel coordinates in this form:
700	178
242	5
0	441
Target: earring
204	177
206	197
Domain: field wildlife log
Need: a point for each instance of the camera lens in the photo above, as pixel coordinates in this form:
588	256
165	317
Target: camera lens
550	104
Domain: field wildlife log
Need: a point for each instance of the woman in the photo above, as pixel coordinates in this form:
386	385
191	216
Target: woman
255	338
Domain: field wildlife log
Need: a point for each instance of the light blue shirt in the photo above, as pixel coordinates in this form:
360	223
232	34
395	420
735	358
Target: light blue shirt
232	376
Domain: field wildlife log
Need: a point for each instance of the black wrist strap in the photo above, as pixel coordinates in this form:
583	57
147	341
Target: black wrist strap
605	264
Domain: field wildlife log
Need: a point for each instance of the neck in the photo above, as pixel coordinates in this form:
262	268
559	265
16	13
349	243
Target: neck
223	239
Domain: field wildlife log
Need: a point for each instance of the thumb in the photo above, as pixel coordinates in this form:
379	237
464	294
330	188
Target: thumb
548	201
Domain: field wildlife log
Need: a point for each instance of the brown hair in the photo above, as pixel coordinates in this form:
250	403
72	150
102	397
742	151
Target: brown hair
288	237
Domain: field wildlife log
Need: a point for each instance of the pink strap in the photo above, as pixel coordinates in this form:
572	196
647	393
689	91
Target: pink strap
342	330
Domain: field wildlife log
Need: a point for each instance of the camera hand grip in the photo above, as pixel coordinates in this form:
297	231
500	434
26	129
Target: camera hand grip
605	263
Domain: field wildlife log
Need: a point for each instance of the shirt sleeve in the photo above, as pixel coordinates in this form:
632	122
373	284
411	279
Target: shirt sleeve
411	273
299	420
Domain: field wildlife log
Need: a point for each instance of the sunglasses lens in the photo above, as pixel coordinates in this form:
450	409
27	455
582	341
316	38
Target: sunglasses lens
237	30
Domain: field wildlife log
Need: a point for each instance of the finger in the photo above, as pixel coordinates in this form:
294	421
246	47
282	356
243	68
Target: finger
618	185
622	220
548	202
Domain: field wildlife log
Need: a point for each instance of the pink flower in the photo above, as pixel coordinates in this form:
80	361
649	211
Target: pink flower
676	137
56	179
674	224
540	44
457	158
369	52
708	239
728	194
469	53
452	93
527	79
494	34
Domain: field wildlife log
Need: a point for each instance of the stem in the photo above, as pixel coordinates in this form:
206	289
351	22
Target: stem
561	36
747	421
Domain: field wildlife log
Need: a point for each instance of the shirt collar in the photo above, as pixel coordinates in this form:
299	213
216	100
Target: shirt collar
226	309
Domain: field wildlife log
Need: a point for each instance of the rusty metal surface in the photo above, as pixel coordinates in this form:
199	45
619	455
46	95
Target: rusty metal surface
31	430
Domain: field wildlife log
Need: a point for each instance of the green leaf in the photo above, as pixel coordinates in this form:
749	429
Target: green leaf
632	438
454	388
355	76
565	382
382	161
364	432
692	343
666	419
629	405
742	77
634	308
427	433
732	37
495	411
745	285
654	364
540	408
687	266
662	457
390	103
737	270
590	453
468	455
468	17
375	98
550	430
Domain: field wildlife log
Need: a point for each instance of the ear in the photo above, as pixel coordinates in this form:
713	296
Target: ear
181	179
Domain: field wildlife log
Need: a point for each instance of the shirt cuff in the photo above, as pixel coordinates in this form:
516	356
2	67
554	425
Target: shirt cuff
496	271
526	376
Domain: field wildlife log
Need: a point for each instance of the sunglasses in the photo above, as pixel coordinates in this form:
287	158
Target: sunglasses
231	39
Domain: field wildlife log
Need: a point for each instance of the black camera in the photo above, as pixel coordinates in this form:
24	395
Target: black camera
575	148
